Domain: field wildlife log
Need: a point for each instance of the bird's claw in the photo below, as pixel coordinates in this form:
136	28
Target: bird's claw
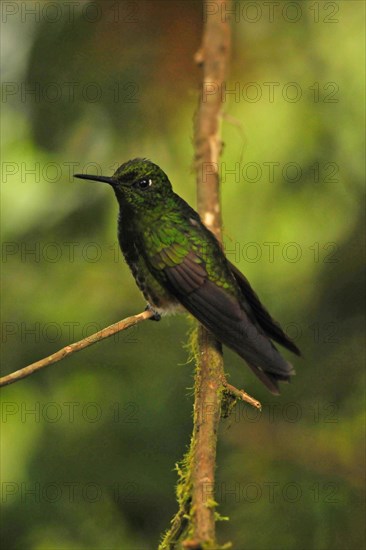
156	316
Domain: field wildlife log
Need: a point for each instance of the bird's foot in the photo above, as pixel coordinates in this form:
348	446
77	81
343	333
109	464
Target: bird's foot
156	316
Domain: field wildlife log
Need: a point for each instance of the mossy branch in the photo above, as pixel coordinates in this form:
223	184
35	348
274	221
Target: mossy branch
214	58
194	524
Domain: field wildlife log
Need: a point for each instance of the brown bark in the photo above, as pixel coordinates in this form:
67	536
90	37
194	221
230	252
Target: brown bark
214	58
73	348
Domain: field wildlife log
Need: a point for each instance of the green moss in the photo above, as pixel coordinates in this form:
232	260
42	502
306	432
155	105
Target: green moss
228	403
182	525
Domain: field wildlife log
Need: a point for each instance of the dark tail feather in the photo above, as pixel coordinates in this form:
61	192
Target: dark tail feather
261	315
271	379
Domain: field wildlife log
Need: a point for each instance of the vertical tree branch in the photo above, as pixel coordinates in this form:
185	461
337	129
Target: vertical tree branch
195	519
207	409
214	57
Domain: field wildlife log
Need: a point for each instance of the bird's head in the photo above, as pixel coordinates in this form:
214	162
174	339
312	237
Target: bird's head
138	183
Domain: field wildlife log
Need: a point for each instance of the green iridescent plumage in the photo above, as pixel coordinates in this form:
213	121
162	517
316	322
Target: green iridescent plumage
178	263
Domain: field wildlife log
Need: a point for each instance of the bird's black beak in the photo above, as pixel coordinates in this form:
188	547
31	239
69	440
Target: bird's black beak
104	179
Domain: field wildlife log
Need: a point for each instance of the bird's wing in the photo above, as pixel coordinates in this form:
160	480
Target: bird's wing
214	302
261	315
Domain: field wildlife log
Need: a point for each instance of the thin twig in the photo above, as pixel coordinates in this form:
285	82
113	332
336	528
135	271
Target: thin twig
241	394
73	348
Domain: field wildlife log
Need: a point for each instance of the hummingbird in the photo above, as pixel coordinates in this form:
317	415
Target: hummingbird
179	265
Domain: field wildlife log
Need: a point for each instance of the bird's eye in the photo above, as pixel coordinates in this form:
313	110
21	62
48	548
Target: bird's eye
144	184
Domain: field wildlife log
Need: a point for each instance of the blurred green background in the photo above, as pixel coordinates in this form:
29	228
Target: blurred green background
89	446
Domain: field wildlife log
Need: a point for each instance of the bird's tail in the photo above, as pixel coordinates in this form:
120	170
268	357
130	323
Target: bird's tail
271	379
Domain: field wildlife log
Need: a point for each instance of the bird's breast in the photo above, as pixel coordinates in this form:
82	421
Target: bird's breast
153	290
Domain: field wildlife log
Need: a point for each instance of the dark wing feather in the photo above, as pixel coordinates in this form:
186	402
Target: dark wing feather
261	315
221	313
